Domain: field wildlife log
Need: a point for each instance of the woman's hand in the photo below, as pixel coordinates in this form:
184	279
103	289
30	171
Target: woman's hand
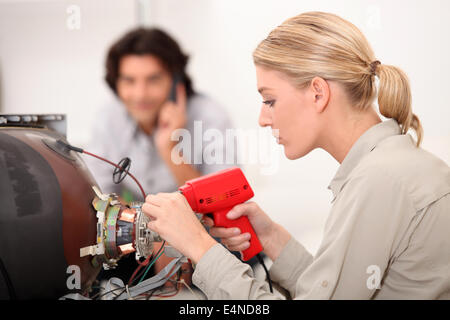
174	220
272	236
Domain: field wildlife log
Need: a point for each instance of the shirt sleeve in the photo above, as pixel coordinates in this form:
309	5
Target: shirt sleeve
221	276
368	219
365	225
289	265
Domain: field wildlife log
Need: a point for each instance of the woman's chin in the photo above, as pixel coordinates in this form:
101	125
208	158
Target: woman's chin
290	155
294	154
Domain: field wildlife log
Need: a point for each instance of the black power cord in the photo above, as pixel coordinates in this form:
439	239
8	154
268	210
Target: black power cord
261	261
121	170
9	284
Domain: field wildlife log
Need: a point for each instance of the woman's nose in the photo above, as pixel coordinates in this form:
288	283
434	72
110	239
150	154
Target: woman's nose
265	118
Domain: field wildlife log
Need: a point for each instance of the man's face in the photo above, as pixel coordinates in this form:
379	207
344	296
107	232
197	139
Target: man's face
143	86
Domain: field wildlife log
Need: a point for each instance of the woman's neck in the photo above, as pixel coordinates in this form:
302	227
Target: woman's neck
344	132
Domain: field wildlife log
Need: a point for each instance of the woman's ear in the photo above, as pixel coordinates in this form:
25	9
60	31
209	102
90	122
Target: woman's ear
321	93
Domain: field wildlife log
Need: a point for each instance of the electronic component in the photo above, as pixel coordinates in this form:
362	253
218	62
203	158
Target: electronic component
121	230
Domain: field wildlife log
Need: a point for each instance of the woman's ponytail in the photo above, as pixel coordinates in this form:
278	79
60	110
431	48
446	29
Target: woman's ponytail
319	44
394	99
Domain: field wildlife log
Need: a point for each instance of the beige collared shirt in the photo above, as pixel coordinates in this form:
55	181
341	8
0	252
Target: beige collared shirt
387	235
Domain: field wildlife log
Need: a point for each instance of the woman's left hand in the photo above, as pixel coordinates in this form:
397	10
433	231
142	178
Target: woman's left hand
173	219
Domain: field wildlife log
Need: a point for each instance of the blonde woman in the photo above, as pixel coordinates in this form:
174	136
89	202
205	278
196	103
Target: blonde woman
387	235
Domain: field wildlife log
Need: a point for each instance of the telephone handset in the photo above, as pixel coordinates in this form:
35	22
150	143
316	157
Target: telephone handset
173	90
172	93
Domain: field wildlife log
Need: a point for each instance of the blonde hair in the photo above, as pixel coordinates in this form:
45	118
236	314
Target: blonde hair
325	45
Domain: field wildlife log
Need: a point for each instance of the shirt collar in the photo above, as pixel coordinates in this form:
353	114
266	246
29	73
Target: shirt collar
364	145
130	130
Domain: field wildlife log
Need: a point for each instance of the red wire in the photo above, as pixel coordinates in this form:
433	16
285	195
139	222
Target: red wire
168	296
119	167
178	287
143	264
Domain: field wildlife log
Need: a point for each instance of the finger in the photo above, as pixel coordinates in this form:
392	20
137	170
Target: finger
240	247
163	122
208	221
166	195
172	196
242	209
181	197
153	199
152	225
237	240
237	211
151	210
220	232
164	115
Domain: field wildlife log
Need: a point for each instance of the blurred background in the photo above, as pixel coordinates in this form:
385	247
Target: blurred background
52	56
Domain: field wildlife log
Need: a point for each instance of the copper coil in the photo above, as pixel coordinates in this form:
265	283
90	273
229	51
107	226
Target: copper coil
128	215
127	248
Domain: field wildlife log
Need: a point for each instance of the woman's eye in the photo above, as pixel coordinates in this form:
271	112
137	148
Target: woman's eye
270	103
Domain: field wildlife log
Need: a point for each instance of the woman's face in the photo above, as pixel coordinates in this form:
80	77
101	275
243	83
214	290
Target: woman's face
289	111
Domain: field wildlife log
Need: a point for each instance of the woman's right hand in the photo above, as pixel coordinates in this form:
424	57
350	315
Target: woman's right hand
272	236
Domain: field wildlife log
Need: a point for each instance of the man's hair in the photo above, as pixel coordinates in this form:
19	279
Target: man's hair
144	41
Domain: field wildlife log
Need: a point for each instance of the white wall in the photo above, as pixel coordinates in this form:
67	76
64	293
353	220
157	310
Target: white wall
45	67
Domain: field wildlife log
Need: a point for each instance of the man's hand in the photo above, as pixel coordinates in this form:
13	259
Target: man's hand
172	116
174	220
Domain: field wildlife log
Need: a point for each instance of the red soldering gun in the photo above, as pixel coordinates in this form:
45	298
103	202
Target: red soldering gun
218	193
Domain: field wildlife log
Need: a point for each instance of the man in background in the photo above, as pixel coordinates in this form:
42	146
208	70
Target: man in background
144	68
141	68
